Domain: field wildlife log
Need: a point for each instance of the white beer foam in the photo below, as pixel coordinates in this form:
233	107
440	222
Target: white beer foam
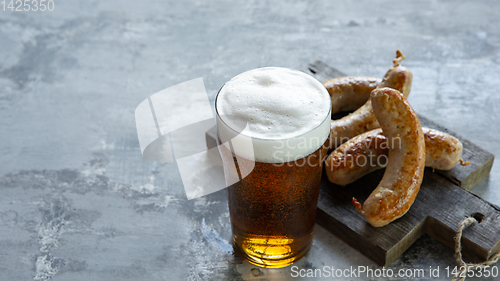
287	112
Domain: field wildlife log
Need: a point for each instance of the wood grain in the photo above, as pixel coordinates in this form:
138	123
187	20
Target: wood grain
439	208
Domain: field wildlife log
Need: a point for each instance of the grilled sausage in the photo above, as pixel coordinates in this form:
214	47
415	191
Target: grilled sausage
363	120
403	176
444	150
351	92
367	152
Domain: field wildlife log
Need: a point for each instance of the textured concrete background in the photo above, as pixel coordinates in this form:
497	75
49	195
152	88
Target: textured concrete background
78	202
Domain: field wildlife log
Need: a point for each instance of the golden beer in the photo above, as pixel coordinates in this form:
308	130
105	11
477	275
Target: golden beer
273	209
274	192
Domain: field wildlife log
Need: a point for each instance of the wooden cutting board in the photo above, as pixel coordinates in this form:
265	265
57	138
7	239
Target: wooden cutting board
442	203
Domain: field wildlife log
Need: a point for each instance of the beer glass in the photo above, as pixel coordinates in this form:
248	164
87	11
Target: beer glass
273	184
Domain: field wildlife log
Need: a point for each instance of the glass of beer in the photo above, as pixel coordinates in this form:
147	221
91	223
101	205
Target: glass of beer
272	125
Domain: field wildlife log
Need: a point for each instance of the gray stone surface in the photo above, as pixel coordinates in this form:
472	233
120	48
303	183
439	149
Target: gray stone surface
78	202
